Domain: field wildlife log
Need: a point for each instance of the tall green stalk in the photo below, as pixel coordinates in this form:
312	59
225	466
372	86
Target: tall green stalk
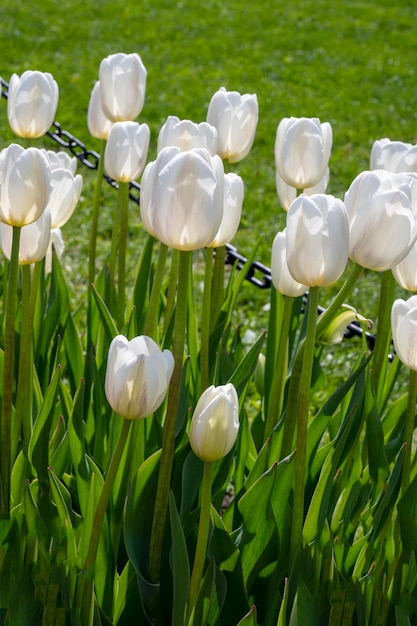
302	423
202	539
168	443
7	400
95	215
123	202
218	285
205	321
383	338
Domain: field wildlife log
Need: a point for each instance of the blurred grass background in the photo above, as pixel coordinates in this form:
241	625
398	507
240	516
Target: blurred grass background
352	64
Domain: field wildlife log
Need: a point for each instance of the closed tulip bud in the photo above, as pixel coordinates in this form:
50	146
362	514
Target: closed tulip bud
34	239
182	197
31	103
60	160
404	330
215	423
232	209
122	86
393	156
287	193
66	191
187	135
282	280
137	376
126	150
317	239
25	185
302	150
382	220
98	124
405	272
235	116
335	331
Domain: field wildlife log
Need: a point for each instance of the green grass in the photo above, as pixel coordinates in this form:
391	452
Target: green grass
352	64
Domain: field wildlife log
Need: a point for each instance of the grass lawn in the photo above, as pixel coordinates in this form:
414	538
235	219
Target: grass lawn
351	64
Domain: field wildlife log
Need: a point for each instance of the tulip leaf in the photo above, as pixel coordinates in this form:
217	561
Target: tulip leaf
105	315
378	464
407	512
39	441
74	352
249	619
140	504
247	366
142	280
180	565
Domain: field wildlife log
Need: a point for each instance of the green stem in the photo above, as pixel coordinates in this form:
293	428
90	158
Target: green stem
218	285
105	496
94	218
202	539
383	337
123	203
168	443
205	321
278	379
409	429
302	423
173	279
5	425
23	415
151	325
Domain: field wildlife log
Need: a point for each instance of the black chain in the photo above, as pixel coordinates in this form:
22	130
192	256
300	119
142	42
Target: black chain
258	274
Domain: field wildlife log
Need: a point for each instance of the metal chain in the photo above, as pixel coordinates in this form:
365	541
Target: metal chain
258	274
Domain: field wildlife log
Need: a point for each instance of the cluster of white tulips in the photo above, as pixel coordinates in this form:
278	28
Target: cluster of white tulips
188	203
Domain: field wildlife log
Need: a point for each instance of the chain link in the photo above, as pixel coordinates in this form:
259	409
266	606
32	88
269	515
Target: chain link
257	274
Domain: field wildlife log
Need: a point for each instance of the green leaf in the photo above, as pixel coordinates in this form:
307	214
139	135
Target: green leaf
247	366
105	315
39	441
74	352
249	619
407	513
378	464
180	565
142	279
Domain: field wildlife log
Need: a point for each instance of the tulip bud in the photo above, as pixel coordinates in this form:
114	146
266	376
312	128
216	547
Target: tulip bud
66	191
31	103
25	185
404	330
182	197
281	277
137	376
232	210
122	86
187	135
126	150
383	226
34	239
317	239
259	375
335	331
235	116
98	124
302	150
393	156
215	423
